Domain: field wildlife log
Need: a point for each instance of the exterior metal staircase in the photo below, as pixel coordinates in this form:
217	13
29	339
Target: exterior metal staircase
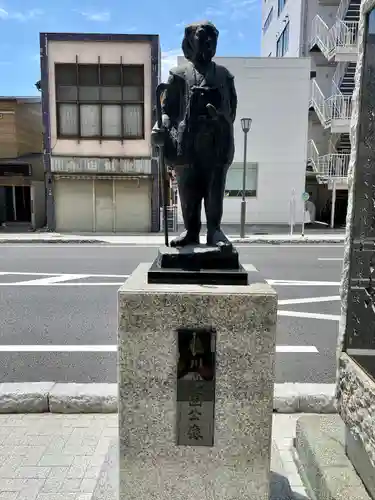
347	83
339	41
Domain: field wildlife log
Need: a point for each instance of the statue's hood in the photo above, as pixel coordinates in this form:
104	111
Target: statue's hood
187	42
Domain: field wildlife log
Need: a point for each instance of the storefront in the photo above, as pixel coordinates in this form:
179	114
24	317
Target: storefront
22	198
102	203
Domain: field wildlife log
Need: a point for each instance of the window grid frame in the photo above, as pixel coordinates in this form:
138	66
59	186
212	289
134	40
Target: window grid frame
100	103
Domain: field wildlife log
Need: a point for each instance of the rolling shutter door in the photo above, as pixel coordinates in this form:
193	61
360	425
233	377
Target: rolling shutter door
74	205
133	205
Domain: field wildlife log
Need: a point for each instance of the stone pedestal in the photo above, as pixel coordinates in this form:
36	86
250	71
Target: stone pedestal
236	465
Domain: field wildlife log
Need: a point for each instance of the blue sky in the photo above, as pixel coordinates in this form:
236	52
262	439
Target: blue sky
239	22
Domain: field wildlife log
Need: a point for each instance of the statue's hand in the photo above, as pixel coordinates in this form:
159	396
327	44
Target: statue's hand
158	134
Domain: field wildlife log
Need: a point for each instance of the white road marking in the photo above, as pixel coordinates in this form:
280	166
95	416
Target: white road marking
18	273
35	283
52	280
297	314
331	258
113	348
157	245
302	283
308	300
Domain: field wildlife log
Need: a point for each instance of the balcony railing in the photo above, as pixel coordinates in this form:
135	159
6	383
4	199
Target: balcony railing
334	166
340	107
346	33
331	166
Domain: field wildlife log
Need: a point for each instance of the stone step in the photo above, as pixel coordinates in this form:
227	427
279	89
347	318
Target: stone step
320	457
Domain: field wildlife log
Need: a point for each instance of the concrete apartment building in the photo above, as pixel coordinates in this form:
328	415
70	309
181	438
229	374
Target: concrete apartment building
326	31
275	94
98	97
22	188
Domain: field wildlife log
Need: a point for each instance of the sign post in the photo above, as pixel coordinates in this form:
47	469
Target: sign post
305	198
292	211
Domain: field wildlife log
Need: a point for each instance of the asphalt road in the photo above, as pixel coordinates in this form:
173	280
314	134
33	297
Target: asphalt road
64	298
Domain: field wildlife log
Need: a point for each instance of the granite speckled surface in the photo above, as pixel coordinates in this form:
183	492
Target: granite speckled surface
238	464
356	405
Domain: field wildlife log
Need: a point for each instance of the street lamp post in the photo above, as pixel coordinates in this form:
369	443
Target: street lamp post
246	125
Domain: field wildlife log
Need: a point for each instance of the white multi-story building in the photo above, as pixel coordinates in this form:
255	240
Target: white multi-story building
274	93
325	30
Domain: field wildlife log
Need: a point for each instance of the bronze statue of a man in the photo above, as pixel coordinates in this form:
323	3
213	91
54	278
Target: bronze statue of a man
198	110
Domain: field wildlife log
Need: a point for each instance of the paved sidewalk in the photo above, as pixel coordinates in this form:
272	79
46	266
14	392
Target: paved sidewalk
58	457
158	239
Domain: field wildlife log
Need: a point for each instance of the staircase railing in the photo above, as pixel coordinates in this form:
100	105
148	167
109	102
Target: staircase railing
331	146
319	102
340	107
342	9
339	74
334	165
322	36
341	34
313	155
346	33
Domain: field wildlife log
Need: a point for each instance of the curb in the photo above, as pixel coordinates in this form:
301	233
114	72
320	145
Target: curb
51	397
60	241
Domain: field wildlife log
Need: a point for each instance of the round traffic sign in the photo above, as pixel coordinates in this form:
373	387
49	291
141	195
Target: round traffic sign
305	196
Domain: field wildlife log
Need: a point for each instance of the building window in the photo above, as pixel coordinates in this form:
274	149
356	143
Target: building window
100	101
233	188
280	6
268	20
282	45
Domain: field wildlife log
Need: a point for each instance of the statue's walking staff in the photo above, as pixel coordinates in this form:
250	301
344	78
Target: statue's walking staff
162	167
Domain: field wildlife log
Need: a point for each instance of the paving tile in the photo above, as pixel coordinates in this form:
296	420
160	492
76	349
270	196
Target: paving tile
76	471
71	486
8	495
58	473
14	484
88	485
56	459
33	472
57	496
92	472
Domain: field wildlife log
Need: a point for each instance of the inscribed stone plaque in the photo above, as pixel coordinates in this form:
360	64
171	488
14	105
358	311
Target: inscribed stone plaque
360	334
196	386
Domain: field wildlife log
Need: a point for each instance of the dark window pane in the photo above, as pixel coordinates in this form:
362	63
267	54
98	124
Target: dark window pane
110	74
66	74
131	93
111	94
88	74
89	94
132	75
66	93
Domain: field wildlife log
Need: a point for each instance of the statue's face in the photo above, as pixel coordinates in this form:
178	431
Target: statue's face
205	42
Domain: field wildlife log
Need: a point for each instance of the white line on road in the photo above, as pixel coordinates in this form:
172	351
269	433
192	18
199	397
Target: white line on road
297	314
51	280
308	300
113	348
302	283
18	273
331	258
